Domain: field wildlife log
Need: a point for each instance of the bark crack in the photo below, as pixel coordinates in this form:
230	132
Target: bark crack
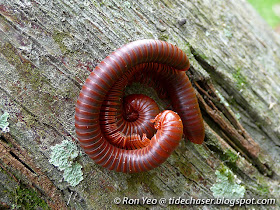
14	158
227	126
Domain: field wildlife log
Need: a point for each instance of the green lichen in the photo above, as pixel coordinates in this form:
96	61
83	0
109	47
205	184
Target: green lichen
26	198
230	158
27	70
59	37
201	150
240	79
63	156
228	33
33	75
73	174
4	122
163	37
227	185
263	190
198	53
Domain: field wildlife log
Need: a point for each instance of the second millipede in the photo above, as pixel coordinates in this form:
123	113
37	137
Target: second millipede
114	130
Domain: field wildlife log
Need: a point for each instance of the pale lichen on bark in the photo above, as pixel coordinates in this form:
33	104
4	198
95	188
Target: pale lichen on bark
48	49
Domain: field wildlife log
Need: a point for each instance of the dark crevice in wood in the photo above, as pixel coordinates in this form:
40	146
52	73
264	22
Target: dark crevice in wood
2	138
204	64
15	158
22	162
231	129
239	99
223	121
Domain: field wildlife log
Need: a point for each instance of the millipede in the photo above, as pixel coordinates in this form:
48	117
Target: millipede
129	133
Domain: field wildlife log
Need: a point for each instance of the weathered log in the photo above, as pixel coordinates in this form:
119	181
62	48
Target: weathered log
48	49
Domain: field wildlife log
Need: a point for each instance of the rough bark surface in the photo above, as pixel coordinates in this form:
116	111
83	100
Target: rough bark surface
48	49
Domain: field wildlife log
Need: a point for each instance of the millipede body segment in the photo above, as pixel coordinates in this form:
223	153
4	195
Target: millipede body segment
114	130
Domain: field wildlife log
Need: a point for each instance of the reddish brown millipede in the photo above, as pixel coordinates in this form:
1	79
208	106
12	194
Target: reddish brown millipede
115	131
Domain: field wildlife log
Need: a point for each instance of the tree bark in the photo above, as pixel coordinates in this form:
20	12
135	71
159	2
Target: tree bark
48	49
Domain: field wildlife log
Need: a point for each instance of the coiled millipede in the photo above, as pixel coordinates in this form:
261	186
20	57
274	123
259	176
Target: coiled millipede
115	130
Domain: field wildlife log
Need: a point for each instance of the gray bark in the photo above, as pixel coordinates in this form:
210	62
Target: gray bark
47	49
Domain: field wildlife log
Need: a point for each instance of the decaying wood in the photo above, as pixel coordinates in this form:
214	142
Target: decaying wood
233	131
48	49
16	160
